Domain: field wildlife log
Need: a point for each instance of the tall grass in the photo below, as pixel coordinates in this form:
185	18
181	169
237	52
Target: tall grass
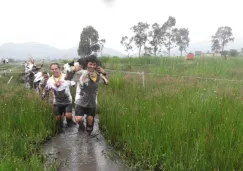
176	123
26	122
201	66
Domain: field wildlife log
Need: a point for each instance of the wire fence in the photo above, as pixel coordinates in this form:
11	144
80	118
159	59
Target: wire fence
16	70
143	74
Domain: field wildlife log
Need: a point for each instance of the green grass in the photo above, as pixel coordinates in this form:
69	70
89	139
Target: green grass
177	123
26	122
174	123
202	66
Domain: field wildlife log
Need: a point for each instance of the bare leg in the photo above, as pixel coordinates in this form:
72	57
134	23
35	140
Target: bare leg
90	124
69	118
79	120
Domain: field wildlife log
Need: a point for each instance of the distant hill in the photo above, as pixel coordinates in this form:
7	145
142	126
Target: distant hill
42	51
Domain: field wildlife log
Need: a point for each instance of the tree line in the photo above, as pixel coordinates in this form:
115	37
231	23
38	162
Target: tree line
151	40
159	36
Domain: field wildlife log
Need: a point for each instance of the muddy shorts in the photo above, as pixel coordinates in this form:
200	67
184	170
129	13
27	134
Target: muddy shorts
62	109
80	111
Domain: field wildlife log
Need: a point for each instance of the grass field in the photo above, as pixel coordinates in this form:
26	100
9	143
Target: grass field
203	66
187	117
26	122
175	123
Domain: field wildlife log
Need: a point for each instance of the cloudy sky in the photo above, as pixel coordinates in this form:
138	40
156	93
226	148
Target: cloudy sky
60	22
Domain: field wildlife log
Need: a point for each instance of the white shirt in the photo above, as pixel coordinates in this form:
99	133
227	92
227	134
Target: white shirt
61	93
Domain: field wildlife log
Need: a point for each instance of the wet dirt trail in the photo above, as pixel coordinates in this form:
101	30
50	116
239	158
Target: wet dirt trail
76	151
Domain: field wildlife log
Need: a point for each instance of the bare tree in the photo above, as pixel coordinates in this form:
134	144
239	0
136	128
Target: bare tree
182	39
169	33
126	42
101	43
156	40
141	35
221	38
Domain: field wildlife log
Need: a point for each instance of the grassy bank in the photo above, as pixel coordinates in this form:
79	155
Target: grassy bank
177	123
26	122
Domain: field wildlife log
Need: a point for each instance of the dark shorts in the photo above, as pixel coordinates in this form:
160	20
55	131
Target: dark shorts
62	109
80	111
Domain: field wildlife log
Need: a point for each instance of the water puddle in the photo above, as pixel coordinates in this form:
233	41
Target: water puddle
74	150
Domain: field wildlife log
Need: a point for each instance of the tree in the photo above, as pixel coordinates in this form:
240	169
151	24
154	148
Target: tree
233	52
182	39
140	37
169	33
221	38
225	53
101	43
88	41
126	42
156	36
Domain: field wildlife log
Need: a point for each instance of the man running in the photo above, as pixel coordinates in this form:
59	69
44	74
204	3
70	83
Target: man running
62	97
86	93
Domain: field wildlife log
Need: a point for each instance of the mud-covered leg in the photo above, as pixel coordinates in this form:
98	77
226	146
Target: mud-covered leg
69	119
79	117
69	116
80	121
59	123
90	124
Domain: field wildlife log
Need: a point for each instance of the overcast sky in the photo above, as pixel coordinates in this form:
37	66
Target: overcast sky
60	22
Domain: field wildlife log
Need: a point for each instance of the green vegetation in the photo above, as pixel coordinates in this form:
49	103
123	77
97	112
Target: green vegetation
26	122
213	67
175	123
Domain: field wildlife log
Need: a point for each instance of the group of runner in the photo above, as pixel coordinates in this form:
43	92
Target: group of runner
32	73
5	61
86	92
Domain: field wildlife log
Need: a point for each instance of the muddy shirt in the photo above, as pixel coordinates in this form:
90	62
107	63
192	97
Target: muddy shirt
28	68
86	94
62	95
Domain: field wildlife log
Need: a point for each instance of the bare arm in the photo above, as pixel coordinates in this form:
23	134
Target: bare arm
102	75
101	70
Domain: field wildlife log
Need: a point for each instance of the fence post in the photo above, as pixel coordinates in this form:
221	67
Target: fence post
10	79
143	79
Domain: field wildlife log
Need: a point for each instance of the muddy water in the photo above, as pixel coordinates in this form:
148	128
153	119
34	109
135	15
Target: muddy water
76	151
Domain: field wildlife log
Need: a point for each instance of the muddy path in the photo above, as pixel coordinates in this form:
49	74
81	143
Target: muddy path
76	151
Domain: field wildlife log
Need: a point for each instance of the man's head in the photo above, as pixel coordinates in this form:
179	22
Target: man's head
55	69
92	62
91	66
45	75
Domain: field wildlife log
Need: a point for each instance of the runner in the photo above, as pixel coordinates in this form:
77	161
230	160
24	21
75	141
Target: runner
86	92
62	98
